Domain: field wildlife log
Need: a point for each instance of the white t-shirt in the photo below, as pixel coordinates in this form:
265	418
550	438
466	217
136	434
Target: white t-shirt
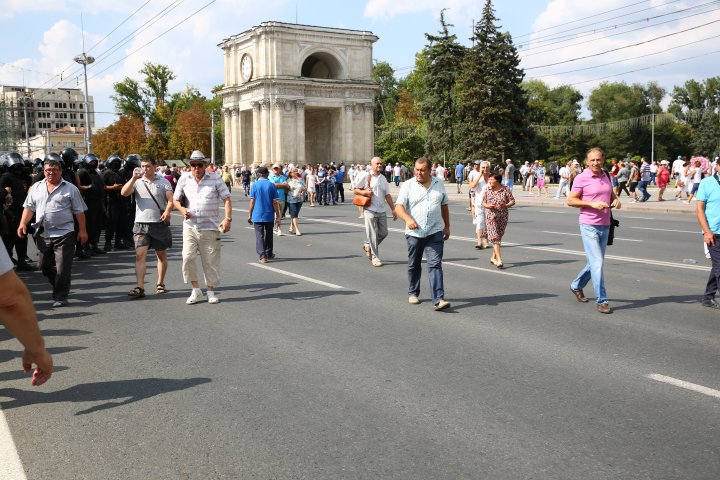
440	172
471	178
677	166
565	173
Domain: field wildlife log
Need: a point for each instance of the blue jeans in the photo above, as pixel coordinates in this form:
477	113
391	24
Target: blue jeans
594	239
642	186
432	247
509	182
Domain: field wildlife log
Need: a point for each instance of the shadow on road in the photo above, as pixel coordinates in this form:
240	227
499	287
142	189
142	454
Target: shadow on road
635	303
112	394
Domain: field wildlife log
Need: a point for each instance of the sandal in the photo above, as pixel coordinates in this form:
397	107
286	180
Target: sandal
160	289
137	292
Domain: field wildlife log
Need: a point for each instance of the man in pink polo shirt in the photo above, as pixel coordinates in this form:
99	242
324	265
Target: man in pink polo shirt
593	194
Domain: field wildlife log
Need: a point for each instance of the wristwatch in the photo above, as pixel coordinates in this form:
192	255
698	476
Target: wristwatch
228	219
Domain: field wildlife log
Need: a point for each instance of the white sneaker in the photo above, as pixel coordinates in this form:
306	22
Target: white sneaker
376	262
413	300
213	299
194	298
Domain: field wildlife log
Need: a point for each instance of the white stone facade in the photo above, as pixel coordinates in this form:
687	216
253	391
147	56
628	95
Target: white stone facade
298	94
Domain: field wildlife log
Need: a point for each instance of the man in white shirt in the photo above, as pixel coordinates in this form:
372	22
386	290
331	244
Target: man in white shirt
440	172
374	185
564	179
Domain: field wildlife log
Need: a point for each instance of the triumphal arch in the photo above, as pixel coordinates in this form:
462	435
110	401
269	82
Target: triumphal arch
298	94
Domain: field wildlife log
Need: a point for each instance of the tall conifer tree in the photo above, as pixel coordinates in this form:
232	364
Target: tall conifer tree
438	104
493	104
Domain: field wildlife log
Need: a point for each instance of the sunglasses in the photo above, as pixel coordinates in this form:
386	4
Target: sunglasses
197	165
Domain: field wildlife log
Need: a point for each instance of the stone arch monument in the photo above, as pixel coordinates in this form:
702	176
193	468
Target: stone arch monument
298	94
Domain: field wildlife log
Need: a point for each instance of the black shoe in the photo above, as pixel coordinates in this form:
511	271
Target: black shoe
96	250
25	267
711	303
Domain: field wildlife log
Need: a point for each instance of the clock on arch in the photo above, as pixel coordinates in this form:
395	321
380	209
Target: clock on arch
246	67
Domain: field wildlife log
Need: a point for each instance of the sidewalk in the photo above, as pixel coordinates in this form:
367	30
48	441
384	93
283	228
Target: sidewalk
523	198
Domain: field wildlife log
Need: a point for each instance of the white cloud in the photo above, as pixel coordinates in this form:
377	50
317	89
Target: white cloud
576	42
457	10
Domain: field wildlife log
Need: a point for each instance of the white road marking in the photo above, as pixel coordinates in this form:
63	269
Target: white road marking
10	465
542	249
636	218
553	211
577	235
687	385
295	275
491	270
698	232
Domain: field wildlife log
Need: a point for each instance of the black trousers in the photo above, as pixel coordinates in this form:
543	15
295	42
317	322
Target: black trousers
264	239
712	284
55	256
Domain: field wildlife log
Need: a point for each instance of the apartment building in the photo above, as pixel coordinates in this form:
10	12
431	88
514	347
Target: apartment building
47	109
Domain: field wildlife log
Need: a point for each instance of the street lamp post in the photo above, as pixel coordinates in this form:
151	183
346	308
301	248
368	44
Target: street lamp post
27	95
86	60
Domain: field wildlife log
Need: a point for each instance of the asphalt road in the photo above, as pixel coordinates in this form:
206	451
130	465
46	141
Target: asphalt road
315	366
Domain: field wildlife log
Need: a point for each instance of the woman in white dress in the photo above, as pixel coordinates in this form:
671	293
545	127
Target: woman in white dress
311	182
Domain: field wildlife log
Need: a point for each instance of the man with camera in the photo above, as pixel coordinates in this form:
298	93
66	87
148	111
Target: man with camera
153	206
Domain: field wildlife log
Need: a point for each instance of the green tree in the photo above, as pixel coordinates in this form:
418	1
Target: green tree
699	103
399	142
386	97
494	106
439	66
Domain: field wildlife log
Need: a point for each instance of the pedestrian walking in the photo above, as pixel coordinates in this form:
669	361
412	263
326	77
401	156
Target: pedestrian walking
55	202
593	194
153	195
295	196
264	211
374	185
708	215
423	205
496	199
197	197
662	178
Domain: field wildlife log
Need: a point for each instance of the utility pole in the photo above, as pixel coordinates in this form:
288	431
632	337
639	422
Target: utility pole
27	95
212	137
86	60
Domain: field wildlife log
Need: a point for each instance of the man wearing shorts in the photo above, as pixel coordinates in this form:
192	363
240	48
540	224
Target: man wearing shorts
153	205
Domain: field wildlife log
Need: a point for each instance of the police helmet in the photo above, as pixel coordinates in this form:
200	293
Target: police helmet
132	161
80	163
113	162
90	158
69	155
11	158
55	157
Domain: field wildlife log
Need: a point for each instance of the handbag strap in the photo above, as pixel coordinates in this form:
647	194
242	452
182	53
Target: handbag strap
153	197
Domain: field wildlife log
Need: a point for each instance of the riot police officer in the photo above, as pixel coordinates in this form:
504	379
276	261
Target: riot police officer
15	183
93	191
116	208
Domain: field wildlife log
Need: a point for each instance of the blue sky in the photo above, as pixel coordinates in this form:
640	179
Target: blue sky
41	37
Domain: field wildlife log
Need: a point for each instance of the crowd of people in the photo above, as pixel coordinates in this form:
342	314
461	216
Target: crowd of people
65	201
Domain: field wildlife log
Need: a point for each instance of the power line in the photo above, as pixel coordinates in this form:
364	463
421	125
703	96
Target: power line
127	38
607	20
615	27
624	47
119	25
626	59
159	36
585	18
703	55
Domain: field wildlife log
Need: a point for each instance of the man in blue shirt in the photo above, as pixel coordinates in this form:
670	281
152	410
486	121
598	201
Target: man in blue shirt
708	215
339	179
423	205
263	209
459	174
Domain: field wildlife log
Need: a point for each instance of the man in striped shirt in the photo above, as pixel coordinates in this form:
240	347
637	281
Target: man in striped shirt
204	192
423	204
